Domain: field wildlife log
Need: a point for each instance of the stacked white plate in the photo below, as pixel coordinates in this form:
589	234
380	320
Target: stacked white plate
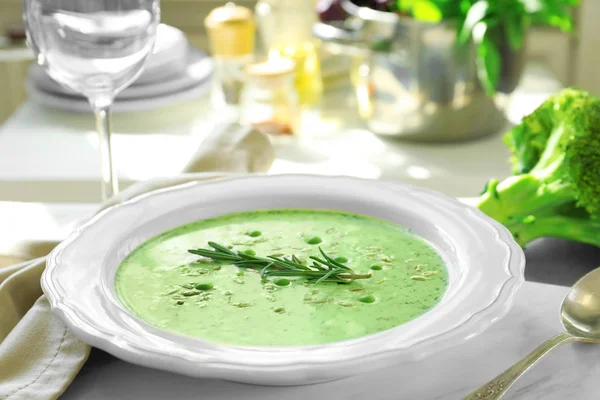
174	72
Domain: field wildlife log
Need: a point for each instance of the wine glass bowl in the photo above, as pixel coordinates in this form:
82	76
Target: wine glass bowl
96	48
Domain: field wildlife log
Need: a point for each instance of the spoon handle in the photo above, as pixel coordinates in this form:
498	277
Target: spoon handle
496	388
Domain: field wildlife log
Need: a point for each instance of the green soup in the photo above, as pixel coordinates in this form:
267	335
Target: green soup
170	288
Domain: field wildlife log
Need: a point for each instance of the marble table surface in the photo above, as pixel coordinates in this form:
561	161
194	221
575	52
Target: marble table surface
571	372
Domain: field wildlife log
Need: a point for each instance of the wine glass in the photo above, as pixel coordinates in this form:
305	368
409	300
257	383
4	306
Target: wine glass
96	48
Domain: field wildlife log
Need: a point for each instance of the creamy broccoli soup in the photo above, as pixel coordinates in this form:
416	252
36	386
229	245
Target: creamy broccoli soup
245	288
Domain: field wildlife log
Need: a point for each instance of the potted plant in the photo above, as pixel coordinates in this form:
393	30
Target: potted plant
494	27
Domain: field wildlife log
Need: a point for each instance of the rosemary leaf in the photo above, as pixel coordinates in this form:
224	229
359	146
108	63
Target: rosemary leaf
324	269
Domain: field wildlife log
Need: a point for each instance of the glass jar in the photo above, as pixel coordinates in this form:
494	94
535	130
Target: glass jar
269	101
231	30
285	28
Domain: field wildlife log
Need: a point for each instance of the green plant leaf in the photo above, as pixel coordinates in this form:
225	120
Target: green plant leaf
555	13
479	31
465	5
515	31
563	22
532	6
488	62
489	65
405	5
428	11
476	13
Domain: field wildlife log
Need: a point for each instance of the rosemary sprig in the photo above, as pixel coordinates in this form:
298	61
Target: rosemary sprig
324	269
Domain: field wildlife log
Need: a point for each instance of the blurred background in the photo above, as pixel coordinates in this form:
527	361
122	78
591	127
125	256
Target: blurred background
573	59
338	87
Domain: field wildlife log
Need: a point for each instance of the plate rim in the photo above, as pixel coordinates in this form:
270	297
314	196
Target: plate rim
57	102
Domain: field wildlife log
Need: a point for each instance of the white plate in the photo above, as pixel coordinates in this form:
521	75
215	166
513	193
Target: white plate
168	56
197	68
485	270
74	104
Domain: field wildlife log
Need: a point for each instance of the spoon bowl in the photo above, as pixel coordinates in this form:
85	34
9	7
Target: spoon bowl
580	311
580	315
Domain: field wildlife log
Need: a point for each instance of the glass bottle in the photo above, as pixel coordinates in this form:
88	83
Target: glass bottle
231	32
285	28
269	101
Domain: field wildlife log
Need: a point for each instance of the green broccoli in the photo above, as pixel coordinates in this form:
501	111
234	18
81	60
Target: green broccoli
556	161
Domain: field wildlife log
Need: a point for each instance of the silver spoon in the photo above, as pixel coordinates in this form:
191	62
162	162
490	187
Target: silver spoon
580	314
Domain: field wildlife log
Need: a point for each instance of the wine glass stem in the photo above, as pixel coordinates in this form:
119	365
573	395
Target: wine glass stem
110	184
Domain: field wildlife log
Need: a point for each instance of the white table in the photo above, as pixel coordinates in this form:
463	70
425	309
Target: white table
51	156
570	372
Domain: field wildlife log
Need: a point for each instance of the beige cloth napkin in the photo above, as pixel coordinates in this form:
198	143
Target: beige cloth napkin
39	357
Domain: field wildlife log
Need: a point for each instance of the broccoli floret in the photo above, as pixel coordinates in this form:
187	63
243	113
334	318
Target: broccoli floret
527	141
556	156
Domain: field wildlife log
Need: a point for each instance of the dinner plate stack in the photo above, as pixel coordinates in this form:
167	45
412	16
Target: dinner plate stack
174	72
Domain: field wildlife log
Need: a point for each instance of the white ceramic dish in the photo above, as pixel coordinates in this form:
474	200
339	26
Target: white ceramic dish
193	81
74	104
198	68
168	57
485	270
